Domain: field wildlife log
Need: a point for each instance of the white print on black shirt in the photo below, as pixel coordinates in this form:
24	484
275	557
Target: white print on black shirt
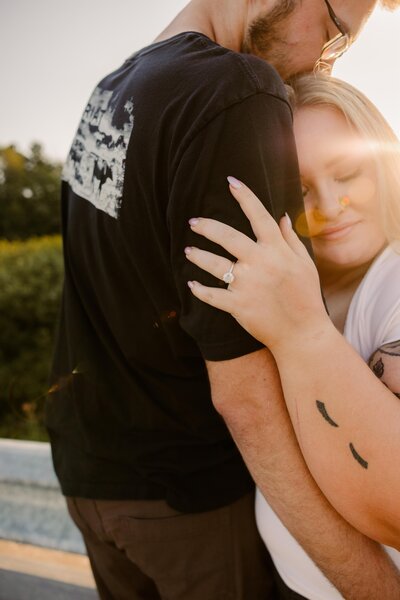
95	167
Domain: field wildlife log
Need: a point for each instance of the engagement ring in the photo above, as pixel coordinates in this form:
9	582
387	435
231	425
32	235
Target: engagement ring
229	277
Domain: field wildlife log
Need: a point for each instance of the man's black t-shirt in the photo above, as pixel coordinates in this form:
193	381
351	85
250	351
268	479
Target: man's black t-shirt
130	412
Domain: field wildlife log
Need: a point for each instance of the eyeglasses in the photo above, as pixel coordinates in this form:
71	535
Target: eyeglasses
335	47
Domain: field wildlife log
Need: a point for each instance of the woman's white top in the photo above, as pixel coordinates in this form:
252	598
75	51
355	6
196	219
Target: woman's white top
373	319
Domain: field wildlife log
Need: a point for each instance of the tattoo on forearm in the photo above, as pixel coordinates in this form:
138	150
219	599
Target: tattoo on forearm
322	409
378	367
358	458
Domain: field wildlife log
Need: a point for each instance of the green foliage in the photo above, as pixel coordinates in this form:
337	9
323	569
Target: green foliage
23	427
30	283
29	194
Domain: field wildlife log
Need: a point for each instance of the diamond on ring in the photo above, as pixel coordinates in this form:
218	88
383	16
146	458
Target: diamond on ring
229	277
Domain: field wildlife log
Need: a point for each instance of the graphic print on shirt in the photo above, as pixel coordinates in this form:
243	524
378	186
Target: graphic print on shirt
95	166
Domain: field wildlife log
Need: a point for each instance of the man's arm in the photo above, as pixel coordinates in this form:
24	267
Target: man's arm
247	392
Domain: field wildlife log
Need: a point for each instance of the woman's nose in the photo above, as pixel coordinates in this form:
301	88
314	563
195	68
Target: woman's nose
329	204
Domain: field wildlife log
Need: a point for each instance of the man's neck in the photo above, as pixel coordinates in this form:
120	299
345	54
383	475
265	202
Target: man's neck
219	21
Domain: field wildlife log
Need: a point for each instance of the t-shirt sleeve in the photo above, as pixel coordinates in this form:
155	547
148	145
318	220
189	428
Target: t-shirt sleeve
253	141
385	304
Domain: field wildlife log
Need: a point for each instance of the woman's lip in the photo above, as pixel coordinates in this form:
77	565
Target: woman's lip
333	233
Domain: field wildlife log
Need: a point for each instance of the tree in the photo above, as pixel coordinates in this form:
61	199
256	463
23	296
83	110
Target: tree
29	194
31	275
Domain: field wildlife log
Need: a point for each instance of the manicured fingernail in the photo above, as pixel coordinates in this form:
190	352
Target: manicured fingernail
193	222
190	284
289	220
235	183
188	250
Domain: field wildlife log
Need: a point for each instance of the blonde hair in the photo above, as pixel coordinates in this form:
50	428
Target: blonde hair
390	4
365	119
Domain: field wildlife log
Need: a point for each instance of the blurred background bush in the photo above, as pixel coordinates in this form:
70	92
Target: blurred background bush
30	287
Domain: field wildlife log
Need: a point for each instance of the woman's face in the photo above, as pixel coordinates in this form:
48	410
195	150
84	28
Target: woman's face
339	183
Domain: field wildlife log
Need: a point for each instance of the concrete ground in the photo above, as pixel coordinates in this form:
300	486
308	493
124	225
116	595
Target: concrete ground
33	573
32	509
25	587
42	555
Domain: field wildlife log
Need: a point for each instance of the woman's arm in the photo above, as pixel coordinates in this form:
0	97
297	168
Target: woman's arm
346	420
248	394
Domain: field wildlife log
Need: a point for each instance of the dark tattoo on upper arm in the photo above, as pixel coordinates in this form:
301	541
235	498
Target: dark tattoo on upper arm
392	349
377	360
322	409
378	368
358	458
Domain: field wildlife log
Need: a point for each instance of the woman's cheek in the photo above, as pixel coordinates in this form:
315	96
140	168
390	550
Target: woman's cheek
361	191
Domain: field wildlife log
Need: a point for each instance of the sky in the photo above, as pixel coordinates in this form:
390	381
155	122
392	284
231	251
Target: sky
54	53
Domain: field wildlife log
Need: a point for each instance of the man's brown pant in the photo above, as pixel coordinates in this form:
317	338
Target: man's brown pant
145	550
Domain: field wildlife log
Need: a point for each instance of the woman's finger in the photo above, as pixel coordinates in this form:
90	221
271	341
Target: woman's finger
235	242
292	238
213	264
262	223
219	298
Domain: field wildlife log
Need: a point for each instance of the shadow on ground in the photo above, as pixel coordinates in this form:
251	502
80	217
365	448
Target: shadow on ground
18	586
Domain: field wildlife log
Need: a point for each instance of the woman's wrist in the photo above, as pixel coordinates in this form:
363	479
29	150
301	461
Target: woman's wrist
312	333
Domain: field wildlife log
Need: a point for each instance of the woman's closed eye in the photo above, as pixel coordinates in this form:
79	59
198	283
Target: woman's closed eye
338	178
349	176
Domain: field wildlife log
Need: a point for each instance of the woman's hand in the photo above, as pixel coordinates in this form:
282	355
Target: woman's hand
275	293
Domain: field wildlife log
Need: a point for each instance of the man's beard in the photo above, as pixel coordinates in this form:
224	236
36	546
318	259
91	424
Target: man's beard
264	36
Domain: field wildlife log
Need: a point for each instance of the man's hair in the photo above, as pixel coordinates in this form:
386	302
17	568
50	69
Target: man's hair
366	120
390	4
